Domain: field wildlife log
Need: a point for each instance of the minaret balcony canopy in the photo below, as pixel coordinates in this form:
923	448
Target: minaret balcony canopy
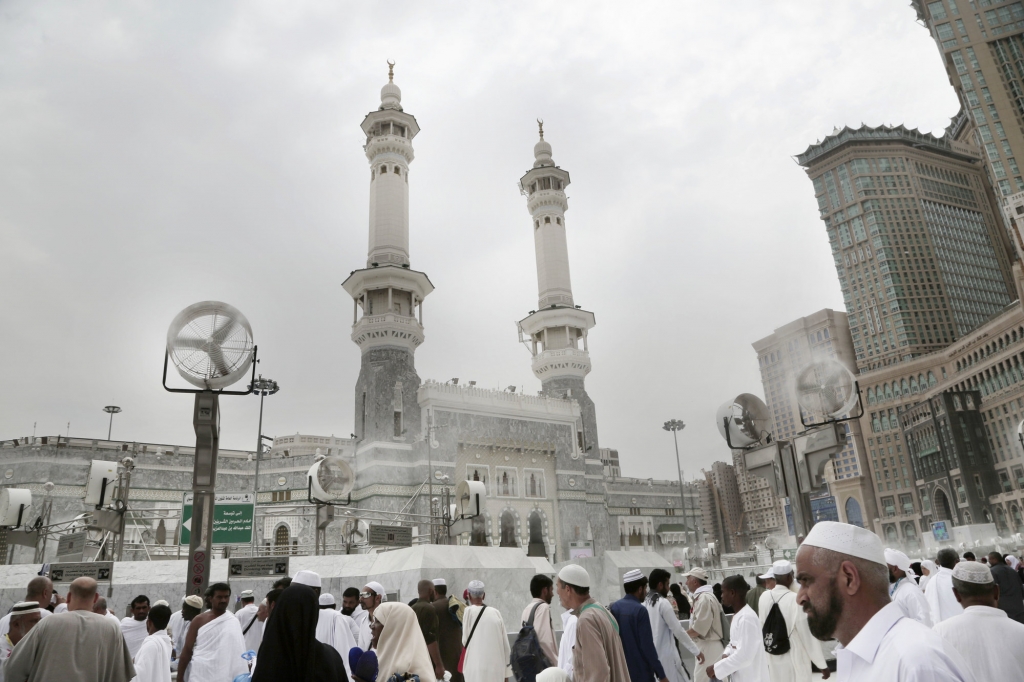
387	116
388	277
537	175
562	362
558	316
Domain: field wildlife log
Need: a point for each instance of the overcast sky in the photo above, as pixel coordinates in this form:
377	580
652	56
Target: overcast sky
157	154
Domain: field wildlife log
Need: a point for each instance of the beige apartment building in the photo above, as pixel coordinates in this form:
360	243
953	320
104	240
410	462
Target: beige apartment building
781	356
722	509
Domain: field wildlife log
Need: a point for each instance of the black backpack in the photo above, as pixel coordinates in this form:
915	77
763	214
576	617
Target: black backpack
527	658
776	639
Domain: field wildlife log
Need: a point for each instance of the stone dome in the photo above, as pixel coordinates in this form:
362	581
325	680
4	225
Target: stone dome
542	154
390	96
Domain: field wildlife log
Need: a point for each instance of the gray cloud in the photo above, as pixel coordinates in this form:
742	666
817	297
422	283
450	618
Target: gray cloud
159	154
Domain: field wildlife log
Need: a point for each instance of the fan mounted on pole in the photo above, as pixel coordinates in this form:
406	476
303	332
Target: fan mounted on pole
827	392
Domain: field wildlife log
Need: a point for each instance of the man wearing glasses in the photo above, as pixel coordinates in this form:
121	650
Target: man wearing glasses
370	598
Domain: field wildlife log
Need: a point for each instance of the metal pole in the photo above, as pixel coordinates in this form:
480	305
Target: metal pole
110	426
256	483
206	420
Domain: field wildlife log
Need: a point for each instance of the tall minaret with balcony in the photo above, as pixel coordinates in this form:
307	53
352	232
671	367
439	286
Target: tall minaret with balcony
387	295
556	333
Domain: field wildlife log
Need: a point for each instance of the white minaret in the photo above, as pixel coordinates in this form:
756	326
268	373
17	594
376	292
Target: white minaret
387	315
556	333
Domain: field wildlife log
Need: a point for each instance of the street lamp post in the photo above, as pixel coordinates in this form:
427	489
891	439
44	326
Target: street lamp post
675	426
111	410
261	387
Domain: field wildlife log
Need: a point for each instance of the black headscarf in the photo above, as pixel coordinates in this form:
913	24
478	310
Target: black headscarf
290	650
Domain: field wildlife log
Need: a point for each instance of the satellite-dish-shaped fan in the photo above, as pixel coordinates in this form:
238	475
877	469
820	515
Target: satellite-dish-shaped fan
469	496
210	344
743	421
330	480
826	389
771	543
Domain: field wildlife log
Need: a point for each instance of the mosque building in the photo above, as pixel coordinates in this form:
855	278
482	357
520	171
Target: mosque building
549	492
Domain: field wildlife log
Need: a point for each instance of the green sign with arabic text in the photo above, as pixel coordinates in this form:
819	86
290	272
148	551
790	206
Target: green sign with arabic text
232	518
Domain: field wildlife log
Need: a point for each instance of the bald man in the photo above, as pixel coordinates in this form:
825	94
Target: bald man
77	645
844	589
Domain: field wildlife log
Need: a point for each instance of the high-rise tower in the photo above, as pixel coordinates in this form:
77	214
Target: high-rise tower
557	330
387	316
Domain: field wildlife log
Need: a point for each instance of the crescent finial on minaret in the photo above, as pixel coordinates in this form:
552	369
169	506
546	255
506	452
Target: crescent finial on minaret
391	71
540	126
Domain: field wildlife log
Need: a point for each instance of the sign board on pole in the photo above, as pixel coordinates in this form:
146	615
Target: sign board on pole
71	547
232	519
100	571
940	531
258	567
394	536
580	549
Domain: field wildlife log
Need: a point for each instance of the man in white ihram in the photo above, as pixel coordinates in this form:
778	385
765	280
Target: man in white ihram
252	630
903	588
487	655
794	665
990	642
335	629
844	590
214	644
939	593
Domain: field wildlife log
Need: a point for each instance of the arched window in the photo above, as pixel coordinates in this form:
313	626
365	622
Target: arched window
547	219
536	223
888	392
1018	521
383	169
537	547
397	171
281	539
508	530
905	388
871	396
891	535
931	379
913	385
853	514
558	221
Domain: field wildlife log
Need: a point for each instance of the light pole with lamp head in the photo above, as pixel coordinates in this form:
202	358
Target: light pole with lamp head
675	426
261	387
111	410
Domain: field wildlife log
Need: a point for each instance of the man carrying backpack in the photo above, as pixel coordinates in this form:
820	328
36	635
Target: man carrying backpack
787	639
542	588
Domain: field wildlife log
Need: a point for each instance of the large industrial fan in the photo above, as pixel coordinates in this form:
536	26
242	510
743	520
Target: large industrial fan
826	390
210	344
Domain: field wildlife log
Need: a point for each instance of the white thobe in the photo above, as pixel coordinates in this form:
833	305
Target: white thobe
5	645
666	628
254	636
990	642
60	608
911	600
745	657
567	642
153	662
487	656
361	617
942	603
893	648
217	652
804	649
174	625
112	617
332	628
134	632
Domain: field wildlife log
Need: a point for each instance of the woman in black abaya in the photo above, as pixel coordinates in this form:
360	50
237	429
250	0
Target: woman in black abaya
290	650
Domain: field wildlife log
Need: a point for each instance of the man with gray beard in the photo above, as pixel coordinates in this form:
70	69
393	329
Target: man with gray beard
844	589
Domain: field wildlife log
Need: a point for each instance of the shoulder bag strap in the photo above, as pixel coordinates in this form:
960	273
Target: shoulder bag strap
533	612
595	604
255	616
475	623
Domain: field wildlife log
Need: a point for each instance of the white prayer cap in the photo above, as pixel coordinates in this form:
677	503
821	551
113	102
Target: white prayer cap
326	599
475	585
782	567
632	576
439	582
698	573
195	601
378	589
553	674
973	572
846	539
246	594
574	574
767	576
25	607
307	578
160	602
